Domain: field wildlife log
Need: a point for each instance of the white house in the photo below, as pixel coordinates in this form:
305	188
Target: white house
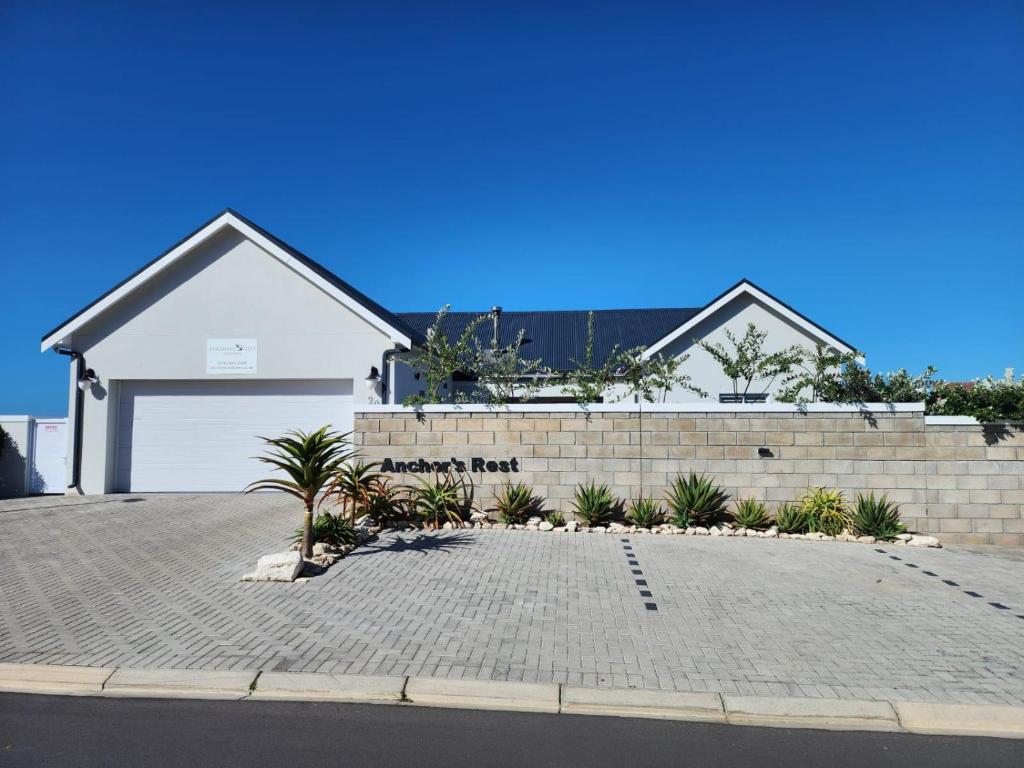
232	333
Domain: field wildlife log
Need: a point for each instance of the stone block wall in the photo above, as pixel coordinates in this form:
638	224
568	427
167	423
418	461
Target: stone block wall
960	482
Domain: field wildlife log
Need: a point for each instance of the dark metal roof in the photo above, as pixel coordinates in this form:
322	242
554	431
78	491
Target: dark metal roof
389	317
559	337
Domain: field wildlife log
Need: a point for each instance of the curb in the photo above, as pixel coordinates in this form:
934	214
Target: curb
552	698
483	694
823	714
312	686
179	683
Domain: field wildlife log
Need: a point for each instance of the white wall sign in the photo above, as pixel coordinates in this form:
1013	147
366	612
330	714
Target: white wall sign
231	356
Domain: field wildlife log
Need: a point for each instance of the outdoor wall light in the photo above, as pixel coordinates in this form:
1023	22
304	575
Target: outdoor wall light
85	383
373	379
764	453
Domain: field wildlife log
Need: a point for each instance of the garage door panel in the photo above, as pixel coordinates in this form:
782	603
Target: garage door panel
204	436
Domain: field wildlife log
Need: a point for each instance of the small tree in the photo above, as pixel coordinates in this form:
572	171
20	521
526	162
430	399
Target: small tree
747	363
818	371
310	461
438	359
502	374
588	381
650	380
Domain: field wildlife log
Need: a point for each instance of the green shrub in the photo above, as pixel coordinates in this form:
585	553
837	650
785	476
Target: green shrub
877	517
695	500
751	513
514	503
987	400
439	499
556	518
333	530
594	504
791	518
826	511
645	512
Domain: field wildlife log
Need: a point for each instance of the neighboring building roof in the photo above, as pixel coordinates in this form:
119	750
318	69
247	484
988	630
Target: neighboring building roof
559	337
745	286
370	310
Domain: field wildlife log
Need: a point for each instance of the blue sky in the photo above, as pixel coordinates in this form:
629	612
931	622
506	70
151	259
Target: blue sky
862	161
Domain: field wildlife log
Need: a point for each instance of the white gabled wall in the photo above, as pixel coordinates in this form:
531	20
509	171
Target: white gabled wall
705	372
228	287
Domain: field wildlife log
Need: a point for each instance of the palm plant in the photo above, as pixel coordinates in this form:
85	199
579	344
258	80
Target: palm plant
594	504
791	518
309	460
751	513
515	502
877	517
437	499
826	511
645	512
695	500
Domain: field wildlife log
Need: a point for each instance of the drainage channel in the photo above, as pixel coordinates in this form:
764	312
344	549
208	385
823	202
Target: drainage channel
638	575
948	582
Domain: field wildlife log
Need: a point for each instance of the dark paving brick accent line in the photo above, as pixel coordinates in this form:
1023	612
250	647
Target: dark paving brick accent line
969	592
632	560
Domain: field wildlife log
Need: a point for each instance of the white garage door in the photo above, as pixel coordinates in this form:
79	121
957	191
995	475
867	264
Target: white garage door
203	435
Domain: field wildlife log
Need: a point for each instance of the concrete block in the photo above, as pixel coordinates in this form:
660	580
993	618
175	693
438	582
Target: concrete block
483	694
311	686
631	702
53	679
961	719
179	683
827	714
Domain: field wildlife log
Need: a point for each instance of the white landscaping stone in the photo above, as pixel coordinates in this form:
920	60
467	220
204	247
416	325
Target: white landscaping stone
904	537
700	530
716	531
572	526
533	521
866	539
280	566
545	526
923	541
559	529
478	516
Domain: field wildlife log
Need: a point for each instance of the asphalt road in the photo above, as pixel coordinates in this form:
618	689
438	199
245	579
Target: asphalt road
76	731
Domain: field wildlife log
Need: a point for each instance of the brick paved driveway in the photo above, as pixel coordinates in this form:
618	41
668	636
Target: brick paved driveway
153	582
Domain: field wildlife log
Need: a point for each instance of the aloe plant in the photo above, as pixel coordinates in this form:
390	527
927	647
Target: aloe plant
695	500
826	511
791	518
751	513
439	499
877	517
594	504
514	503
309	460
329	529
556	518
352	486
645	512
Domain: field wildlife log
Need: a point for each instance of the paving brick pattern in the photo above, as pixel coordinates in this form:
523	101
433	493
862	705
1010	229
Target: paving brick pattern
153	582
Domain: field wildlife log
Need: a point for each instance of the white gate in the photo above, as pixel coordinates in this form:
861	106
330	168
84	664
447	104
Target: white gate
48	473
